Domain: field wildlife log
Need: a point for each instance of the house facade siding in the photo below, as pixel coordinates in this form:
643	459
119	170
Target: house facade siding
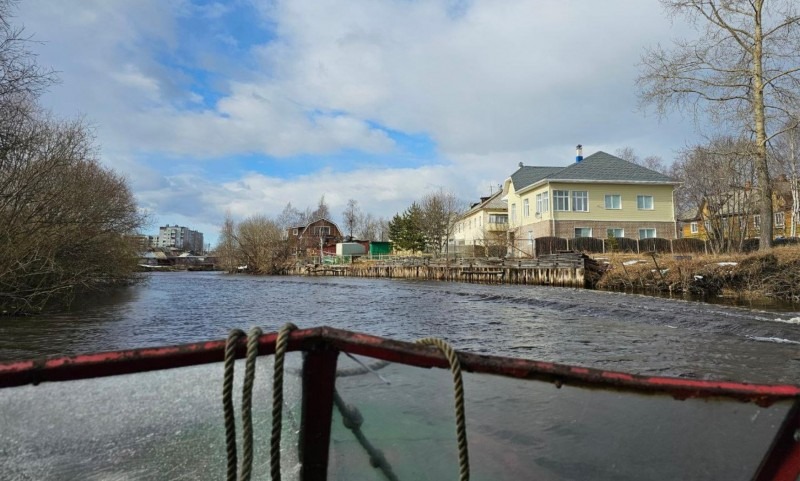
591	197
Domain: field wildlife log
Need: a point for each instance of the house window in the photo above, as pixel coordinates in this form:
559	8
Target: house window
613	201
513	212
757	222
583	232
322	230
779	219
647	233
561	200
694	228
615	233
294	231
526	208
644	202
580	201
542	203
498	219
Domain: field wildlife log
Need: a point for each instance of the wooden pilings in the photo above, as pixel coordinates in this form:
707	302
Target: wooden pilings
558	270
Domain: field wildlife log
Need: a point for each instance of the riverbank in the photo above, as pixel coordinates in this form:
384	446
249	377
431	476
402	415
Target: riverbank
760	275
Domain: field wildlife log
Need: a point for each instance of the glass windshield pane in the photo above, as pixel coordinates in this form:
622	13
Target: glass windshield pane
162	425
532	430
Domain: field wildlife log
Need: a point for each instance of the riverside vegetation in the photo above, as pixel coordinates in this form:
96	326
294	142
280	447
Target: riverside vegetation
774	274
65	219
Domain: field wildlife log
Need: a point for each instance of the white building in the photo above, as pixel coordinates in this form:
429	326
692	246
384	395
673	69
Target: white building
482	230
180	238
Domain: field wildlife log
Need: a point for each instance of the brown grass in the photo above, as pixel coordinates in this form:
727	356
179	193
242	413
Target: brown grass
774	274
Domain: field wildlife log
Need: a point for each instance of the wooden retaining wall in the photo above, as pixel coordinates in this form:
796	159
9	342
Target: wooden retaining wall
564	269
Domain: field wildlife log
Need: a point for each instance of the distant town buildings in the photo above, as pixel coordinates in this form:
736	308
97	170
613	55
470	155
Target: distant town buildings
179	237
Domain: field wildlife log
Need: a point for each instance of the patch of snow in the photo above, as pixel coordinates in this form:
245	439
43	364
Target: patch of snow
727	263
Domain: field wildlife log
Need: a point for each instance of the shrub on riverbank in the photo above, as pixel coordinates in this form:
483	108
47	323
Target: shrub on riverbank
775	274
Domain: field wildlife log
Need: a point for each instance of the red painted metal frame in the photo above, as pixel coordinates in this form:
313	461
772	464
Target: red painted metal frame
781	463
319	382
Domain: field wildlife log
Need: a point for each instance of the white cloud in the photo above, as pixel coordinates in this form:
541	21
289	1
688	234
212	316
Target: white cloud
491	83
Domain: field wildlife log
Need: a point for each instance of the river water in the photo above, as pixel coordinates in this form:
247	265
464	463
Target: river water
626	332
518	429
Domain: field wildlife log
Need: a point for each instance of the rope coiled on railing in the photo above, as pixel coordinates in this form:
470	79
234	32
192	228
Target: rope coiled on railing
247	402
227	402
277	400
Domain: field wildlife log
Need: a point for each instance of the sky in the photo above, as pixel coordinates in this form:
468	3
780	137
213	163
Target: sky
245	105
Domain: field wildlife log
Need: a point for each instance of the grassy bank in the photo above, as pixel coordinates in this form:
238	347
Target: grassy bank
774	274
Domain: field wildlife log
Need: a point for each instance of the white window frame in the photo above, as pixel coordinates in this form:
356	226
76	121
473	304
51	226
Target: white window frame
539	204
757	221
610	229
514	213
561	197
580	198
694	228
780	219
294	231
526	208
647	229
575	232
641	202
609	201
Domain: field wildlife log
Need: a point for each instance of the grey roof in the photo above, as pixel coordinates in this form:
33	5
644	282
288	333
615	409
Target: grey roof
599	166
606	167
526	175
492	203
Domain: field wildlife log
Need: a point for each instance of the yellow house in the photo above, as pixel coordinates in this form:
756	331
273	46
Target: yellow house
600	196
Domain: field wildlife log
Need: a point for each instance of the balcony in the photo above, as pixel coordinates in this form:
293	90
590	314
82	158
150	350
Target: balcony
497	226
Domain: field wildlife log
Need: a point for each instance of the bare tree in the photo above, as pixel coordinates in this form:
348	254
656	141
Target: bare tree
323	211
440	211
227	250
652	162
743	69
717	178
66	220
261	245
20	76
351	216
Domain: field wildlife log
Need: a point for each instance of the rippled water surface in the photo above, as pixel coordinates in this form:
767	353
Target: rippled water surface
599	329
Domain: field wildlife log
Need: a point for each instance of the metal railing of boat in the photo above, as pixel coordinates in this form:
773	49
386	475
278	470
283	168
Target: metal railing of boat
322	345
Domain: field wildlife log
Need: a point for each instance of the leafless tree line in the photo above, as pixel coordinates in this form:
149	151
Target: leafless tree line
65	220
